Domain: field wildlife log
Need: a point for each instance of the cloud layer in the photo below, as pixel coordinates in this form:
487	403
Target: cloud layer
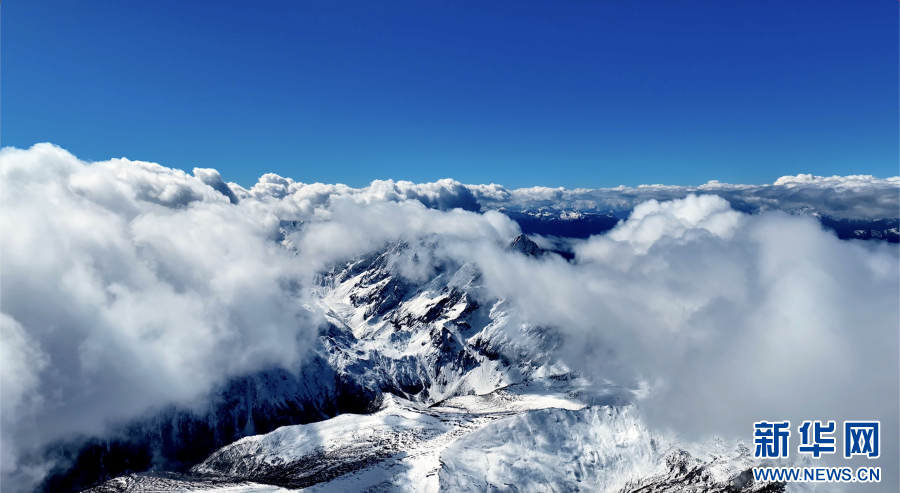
849	197
126	286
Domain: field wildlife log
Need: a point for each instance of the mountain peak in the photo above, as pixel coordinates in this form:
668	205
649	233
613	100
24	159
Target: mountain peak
525	245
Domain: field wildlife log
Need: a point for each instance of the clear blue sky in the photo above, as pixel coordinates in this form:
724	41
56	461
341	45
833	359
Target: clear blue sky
572	93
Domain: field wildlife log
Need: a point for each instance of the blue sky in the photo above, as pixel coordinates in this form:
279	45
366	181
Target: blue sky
523	93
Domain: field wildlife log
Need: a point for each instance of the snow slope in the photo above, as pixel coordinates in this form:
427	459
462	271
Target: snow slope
508	441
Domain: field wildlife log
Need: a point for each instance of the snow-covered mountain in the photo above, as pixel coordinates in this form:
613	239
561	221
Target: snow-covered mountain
511	440
419	383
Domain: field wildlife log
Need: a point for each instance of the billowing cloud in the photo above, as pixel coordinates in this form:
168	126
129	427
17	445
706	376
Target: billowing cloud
22	360
724	318
127	286
212	178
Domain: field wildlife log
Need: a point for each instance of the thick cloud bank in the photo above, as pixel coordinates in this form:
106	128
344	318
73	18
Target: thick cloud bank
127	286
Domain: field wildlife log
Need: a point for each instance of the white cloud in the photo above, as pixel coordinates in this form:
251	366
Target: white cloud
850	181
22	360
652	220
730	317
141	285
127	285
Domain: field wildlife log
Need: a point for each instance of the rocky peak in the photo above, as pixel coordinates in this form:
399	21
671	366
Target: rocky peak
526	246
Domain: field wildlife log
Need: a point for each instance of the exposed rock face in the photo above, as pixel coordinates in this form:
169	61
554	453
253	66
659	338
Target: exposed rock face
525	245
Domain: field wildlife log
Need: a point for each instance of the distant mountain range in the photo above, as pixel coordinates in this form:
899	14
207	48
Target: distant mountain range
576	224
